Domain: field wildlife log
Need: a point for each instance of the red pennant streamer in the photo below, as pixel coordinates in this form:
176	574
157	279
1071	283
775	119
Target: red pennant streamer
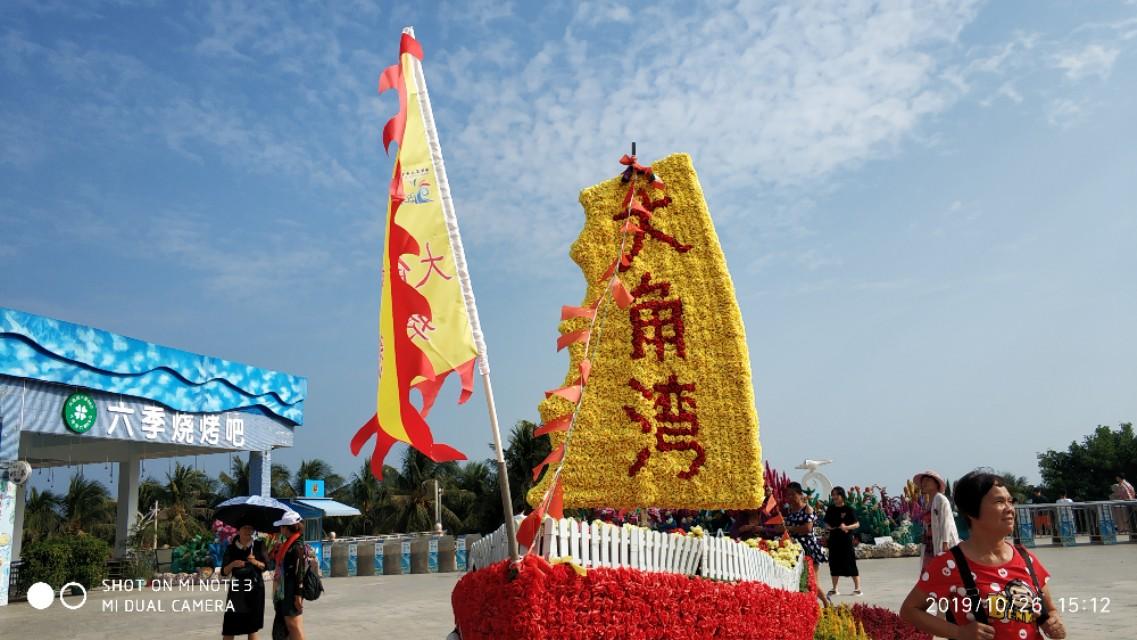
609	271
585	370
770	505
554	457
630	161
409	45
638	207
557	502
568	312
570	393
556	425
572	338
620	294
527	532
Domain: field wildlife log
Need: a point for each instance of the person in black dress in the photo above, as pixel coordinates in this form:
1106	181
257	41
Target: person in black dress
243	564
842	522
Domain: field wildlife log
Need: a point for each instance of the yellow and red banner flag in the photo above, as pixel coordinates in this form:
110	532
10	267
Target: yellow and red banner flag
424	320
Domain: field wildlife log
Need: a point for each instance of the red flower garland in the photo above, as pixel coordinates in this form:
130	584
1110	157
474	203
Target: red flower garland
882	624
546	602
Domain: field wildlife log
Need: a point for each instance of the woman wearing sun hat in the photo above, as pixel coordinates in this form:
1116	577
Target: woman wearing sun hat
940	533
291	560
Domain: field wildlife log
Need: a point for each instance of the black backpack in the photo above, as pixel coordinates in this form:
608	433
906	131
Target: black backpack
311	586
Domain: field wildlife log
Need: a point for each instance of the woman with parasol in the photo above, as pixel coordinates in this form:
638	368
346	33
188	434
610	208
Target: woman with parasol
244	565
245	561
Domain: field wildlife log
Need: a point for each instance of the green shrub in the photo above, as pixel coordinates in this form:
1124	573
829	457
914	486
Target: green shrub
88	560
79	558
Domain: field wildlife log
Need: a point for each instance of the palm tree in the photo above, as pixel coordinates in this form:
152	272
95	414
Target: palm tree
1016	485
42	516
187	502
412	493
316	469
482	512
523	454
281	481
87	508
371	497
238	483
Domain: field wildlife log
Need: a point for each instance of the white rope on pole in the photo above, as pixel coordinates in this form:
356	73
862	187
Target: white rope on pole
467	292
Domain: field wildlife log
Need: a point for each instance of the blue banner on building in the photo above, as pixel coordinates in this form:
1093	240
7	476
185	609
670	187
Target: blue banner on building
352	558
325	551
432	556
406	557
379	557
460	553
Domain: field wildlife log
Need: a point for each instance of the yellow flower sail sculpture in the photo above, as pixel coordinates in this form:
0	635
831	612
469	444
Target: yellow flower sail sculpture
658	407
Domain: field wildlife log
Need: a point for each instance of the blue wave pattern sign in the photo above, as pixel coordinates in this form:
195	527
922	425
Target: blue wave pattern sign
41	348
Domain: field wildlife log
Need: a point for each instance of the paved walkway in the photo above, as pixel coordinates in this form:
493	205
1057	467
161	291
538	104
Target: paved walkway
418	606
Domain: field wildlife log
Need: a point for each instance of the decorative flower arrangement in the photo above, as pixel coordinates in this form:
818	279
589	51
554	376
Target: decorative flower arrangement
785	551
881	624
667	417
838	623
776	482
223	532
546	602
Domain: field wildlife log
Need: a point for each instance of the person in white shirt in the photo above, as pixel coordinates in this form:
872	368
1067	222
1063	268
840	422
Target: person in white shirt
1124	489
940	533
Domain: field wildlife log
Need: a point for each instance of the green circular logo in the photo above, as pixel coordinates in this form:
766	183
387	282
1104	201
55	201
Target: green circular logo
79	412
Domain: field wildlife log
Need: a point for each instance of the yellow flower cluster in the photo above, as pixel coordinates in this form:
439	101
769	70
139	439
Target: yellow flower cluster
785	551
617	456
838	623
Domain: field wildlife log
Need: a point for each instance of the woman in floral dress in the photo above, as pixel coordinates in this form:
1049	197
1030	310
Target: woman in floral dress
799	522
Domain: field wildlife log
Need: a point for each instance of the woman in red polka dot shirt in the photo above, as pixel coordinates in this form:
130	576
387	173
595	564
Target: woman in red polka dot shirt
986	587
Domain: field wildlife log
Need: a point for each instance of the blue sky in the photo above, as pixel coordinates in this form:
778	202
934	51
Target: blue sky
927	207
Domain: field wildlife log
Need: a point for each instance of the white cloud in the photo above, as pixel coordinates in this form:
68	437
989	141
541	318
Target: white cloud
1065	113
246	142
763	98
1094	59
1007	55
593	13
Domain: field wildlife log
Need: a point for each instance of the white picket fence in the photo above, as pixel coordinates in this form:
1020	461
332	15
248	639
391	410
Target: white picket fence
600	544
489	550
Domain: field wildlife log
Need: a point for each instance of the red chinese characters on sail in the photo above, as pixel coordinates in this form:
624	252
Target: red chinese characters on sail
657	322
419	326
675	423
431	261
640	206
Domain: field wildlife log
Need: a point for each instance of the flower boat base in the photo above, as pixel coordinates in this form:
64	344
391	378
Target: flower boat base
538	600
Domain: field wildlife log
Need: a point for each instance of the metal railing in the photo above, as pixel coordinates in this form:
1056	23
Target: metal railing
16	588
1068	524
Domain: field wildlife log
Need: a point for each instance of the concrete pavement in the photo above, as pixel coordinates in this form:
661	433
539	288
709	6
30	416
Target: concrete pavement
418	606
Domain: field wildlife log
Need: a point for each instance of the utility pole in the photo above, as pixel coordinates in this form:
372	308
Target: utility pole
437	507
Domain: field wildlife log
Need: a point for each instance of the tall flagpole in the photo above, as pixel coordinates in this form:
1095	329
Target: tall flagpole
467	296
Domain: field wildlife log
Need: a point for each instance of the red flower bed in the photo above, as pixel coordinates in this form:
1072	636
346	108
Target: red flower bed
546	601
882	624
